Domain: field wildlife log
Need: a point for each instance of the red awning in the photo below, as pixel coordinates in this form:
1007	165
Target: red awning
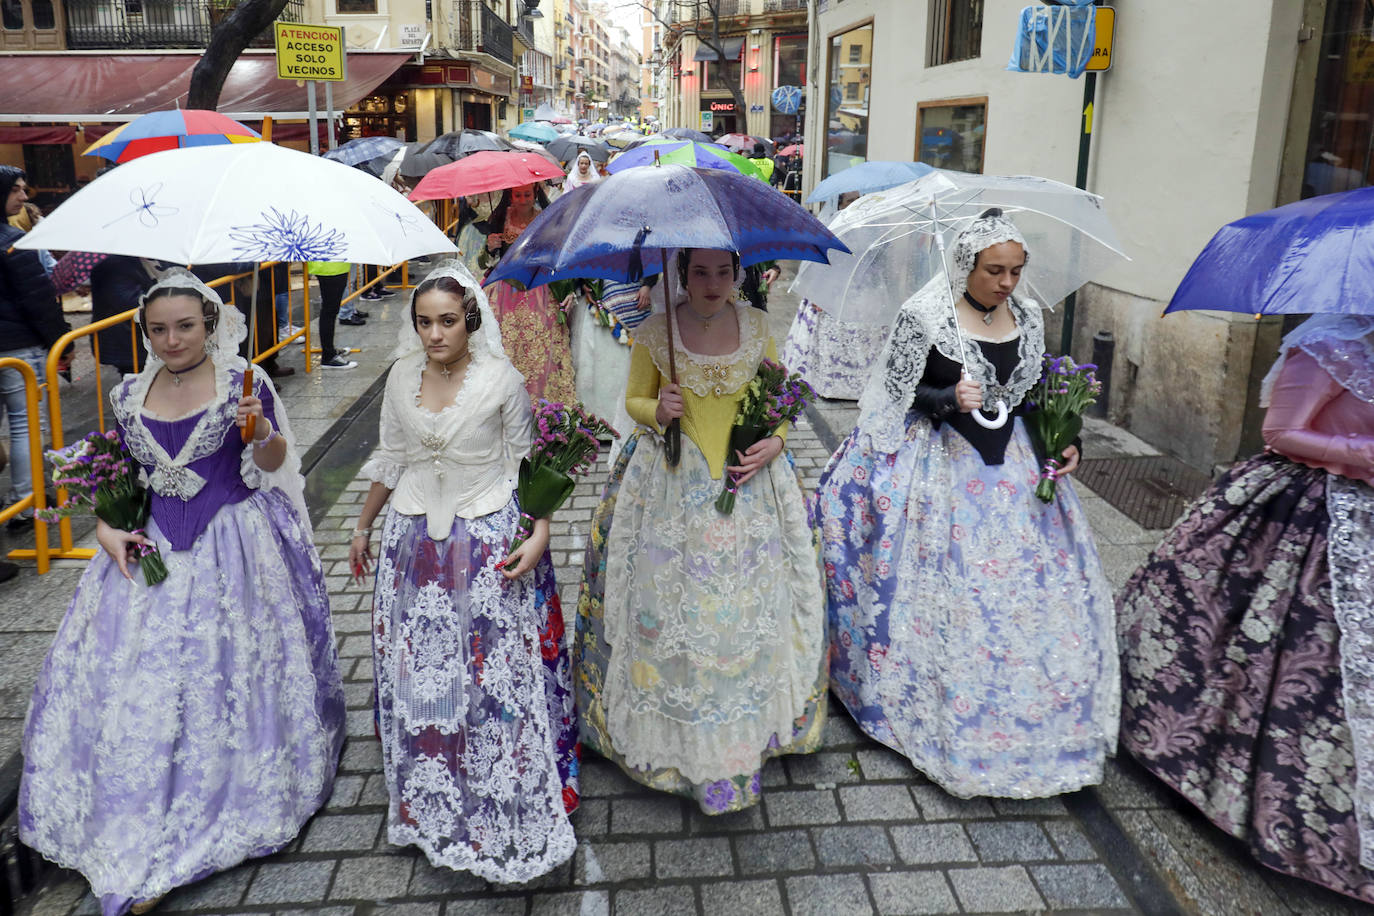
114	86
37	134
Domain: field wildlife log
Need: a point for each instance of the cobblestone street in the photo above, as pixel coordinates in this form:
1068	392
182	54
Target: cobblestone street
852	829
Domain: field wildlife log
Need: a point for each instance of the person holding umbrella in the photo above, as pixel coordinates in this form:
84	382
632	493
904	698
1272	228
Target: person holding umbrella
179	728
1246	647
700	643
533	327
474	694
971	626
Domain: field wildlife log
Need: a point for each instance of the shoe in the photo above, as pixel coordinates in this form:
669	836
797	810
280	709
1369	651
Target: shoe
337	362
387	293
353	321
359	313
281	372
7	571
371	295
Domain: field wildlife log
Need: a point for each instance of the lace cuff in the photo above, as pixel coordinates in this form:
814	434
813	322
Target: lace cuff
384	469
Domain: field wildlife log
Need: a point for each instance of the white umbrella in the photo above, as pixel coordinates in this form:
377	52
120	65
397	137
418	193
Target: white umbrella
240	202
898	238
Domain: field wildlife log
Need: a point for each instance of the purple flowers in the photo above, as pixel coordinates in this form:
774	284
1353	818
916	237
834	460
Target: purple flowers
772	398
565	443
1058	400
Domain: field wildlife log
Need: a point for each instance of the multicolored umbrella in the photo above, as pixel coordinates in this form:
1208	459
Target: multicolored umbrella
163	130
683	152
537	131
483	172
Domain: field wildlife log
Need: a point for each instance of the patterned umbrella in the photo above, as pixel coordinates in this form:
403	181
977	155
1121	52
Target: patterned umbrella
74	270
683	152
365	149
162	130
744	143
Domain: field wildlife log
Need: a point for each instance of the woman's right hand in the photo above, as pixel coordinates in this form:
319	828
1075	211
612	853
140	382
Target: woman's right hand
968	394
493	241
642	301
359	558
669	404
122	546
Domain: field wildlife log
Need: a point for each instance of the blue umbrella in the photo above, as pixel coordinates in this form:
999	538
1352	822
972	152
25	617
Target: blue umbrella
534	131
1315	255
602	229
868	177
364	149
599	230
682	152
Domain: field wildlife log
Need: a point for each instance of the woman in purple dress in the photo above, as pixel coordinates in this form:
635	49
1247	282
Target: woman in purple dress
1248	636
474	694
178	729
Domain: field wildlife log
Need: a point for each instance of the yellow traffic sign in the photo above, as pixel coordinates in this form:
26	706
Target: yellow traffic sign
310	52
1106	31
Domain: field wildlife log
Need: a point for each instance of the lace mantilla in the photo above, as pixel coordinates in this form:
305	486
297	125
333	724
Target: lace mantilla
171	475
1350	555
982	233
708	375
927	320
1343	345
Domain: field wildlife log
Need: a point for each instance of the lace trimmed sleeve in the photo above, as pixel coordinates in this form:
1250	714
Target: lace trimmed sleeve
887	396
387	461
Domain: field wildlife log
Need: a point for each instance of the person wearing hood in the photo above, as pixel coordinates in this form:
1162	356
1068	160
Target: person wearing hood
582	172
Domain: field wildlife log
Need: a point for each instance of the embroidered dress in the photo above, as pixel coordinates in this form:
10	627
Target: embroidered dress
971	627
474	701
700	650
177	730
835	357
1247	654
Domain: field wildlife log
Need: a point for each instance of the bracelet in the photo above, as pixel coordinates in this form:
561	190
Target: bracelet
362	533
259	443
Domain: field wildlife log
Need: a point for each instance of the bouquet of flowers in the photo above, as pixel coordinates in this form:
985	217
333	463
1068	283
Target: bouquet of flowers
101	476
566	293
1058	400
565	443
772	399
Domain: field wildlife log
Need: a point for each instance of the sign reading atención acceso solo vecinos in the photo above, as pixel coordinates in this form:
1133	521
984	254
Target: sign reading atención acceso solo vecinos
310	52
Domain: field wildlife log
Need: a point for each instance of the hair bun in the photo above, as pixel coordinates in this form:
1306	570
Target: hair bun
990	213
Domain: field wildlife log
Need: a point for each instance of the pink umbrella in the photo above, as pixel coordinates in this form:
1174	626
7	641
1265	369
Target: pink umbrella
74	270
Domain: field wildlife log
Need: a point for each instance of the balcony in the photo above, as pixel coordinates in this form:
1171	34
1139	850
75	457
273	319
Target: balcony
481	30
783	6
94	24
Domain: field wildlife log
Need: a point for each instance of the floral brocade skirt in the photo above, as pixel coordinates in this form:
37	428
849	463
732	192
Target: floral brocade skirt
474	700
971	625
1232	666
536	340
177	730
700	637
835	357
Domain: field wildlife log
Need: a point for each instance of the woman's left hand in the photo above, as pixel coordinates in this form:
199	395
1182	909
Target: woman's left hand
770	276
755	459
523	558
1070	461
250	406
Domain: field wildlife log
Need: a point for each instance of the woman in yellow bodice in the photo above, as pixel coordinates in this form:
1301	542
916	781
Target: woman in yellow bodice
700	636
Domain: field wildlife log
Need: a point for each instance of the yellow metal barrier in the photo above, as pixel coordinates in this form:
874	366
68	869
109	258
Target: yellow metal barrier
37	499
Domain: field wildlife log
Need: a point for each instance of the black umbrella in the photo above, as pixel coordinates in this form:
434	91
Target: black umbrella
459	143
568	147
418	163
686	133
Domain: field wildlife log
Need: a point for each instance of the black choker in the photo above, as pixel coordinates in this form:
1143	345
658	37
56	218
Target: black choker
177	373
987	310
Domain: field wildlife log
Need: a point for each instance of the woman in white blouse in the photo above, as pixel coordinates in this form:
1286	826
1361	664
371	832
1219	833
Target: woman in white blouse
475	710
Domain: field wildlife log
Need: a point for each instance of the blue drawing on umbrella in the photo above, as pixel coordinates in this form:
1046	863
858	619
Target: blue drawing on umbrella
287	237
404	221
146	206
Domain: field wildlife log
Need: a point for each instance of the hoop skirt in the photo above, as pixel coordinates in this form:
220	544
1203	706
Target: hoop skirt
474	697
971	625
1247	666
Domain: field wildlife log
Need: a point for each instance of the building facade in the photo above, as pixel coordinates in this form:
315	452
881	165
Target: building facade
764	43
1189	132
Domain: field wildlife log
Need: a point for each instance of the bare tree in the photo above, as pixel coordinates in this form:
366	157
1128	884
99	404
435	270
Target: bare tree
227	41
702	19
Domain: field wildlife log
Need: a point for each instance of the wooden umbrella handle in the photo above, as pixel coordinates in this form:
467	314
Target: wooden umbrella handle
252	423
672	436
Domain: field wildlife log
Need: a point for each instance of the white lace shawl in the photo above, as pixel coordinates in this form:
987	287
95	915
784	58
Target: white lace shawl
927	320
171	475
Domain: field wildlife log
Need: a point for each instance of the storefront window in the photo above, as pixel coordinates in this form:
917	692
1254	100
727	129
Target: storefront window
1341	138
949	135
847	95
789	60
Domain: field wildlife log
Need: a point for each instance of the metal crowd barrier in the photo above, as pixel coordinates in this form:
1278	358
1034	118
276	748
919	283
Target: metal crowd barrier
37	499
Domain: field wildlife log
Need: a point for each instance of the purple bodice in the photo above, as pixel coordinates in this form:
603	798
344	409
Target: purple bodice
182	521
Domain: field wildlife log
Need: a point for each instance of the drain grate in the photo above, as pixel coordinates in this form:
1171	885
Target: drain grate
1152	490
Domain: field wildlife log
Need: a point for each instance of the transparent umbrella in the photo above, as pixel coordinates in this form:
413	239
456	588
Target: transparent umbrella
899	237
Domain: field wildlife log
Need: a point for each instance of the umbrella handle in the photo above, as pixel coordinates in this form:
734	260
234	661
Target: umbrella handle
251	425
672	436
996	422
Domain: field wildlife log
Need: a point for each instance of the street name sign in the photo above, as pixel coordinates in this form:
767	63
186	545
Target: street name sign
310	52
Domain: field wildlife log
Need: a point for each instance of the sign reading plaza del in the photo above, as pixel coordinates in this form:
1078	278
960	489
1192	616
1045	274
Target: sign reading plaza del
310	52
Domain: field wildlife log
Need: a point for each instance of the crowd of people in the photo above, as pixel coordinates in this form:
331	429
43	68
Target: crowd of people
178	729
